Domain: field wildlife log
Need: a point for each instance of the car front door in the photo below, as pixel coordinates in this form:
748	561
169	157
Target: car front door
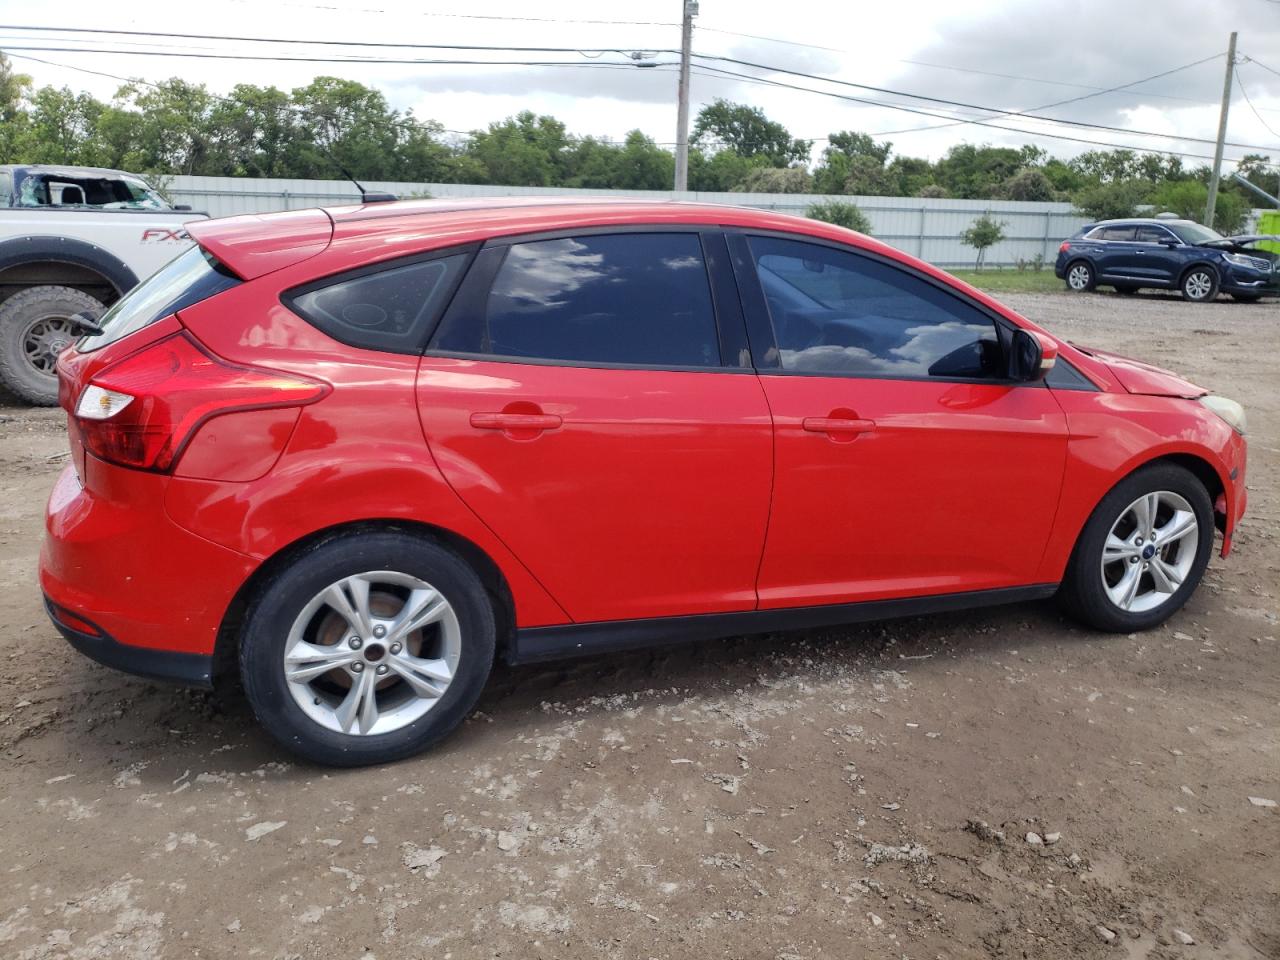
1153	256
580	398
905	464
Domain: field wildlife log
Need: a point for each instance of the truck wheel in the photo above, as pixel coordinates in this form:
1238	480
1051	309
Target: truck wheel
34	328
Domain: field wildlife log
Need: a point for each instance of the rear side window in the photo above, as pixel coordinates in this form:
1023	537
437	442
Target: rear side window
186	279
640	299
1114	233
389	309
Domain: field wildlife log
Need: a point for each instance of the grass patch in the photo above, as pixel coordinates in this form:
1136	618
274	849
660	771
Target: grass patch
1012	281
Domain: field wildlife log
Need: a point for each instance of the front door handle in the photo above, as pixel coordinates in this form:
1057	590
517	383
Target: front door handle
839	429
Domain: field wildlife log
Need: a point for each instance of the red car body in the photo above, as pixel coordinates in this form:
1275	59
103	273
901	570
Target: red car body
627	499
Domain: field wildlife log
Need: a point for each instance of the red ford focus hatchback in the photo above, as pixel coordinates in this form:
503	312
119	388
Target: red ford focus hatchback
357	454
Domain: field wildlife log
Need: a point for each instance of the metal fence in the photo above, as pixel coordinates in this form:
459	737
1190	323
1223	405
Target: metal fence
928	228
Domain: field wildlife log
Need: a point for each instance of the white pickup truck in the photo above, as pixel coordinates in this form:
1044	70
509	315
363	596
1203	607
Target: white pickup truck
72	240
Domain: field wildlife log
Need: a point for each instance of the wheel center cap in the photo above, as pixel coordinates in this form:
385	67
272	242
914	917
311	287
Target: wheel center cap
1148	552
374	652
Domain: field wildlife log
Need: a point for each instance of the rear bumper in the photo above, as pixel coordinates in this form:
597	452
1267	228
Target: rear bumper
125	584
188	669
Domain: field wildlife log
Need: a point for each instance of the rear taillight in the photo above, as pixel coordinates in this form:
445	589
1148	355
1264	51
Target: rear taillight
1066	245
142	411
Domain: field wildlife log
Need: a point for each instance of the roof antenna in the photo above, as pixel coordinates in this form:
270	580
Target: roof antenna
366	196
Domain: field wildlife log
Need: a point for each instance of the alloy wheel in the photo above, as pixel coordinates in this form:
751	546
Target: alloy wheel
1149	551
1078	277
372	653
1198	285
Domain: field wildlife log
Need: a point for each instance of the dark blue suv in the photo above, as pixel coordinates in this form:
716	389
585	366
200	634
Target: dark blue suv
1169	255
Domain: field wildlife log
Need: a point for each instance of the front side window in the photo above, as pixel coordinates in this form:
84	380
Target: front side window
1153	234
640	299
836	312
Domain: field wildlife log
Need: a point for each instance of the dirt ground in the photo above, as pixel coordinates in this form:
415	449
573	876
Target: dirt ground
862	792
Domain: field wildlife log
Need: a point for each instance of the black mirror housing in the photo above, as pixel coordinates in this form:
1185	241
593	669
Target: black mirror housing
1026	357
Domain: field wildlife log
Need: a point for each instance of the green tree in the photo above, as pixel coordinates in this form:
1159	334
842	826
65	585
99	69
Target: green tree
840	213
1189	198
852	163
1111	201
748	133
62	127
253	130
1028	183
168	126
525	150
13	118
721	170
977	171
983	233
775	180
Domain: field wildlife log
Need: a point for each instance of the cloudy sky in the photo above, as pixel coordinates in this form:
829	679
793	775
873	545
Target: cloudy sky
1011	56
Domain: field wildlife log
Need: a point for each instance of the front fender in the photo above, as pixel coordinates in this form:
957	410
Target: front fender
1113	434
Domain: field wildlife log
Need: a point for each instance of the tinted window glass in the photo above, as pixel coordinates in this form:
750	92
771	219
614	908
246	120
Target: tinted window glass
837	312
390	309
1116	233
1194	233
188	278
1150	234
638	299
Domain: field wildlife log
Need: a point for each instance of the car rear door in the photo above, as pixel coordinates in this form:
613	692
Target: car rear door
905	465
590	399
1115	256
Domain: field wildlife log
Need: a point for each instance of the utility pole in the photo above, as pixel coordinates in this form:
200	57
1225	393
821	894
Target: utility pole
690	10
1222	135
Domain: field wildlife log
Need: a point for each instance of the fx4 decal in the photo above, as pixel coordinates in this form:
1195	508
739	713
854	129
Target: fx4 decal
164	235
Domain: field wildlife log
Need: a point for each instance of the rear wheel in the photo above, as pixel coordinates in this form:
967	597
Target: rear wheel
1142	552
1199	284
370	647
35	326
1080	277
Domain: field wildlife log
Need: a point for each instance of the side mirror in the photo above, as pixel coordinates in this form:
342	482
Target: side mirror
1031	356
1170	243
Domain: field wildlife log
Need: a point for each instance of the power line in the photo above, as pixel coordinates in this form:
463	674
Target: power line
979	123
1249	101
322	43
972	106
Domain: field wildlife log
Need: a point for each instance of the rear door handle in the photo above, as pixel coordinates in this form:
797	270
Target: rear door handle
516	422
839	429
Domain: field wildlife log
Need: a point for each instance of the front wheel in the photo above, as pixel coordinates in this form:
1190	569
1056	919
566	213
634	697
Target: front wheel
1080	277
1142	552
367	648
1200	284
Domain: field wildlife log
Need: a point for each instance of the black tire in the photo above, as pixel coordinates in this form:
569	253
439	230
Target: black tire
1246	297
1083	593
284	597
38	313
1080	276
1126	289
1199	284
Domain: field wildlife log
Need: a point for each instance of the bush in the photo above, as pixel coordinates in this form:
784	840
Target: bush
775	180
841	214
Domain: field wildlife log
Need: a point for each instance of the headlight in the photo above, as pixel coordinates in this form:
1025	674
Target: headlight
1228	410
1252	263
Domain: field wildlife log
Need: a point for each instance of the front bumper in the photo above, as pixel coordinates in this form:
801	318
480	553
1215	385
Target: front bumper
125	584
1259	283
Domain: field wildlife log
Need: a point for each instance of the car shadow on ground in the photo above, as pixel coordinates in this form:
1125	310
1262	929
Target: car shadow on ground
108	715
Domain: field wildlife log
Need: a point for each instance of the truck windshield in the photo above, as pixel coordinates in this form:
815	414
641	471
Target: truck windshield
188	278
102	193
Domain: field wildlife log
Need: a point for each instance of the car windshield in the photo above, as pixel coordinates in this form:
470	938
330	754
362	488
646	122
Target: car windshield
100	192
1194	233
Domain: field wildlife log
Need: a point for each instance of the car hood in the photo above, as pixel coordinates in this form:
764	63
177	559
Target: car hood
1241	242
1143	378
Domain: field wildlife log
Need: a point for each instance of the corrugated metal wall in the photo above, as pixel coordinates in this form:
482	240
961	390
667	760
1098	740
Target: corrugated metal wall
927	228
